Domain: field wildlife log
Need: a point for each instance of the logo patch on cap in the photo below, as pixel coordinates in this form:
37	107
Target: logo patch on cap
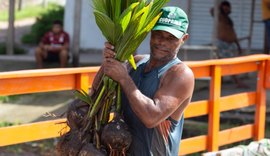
170	21
173	20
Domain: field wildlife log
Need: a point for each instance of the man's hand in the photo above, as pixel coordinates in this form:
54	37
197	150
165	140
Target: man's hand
115	69
49	48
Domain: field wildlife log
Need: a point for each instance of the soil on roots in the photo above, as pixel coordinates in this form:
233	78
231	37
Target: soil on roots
76	113
90	150
69	144
117	137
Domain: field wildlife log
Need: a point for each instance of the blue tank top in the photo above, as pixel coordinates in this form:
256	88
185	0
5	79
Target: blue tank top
162	140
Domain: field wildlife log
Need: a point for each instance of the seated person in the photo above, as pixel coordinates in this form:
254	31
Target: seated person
53	46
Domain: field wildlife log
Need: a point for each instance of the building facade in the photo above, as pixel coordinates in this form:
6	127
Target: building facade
201	23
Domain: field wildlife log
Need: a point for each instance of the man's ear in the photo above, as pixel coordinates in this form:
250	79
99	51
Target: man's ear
185	37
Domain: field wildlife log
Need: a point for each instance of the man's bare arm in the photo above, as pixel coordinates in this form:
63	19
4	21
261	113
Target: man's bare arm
175	91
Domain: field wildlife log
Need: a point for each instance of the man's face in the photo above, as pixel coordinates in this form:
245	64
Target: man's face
164	46
57	28
226	9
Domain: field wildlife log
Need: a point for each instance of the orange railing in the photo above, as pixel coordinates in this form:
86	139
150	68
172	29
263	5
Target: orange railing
33	81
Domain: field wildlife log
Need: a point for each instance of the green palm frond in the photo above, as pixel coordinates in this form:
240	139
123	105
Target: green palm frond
132	62
82	95
125	20
125	24
126	16
100	5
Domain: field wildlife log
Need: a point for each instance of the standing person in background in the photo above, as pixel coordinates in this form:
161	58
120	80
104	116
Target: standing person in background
227	42
266	19
228	45
53	46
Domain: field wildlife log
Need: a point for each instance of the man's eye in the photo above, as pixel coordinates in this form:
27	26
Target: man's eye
170	38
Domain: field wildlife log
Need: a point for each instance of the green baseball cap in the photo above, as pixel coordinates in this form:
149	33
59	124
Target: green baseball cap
173	20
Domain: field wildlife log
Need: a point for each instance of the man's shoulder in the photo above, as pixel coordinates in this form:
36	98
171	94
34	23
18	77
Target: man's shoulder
180	70
178	78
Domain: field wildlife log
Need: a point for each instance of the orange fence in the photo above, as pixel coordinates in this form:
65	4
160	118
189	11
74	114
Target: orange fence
33	81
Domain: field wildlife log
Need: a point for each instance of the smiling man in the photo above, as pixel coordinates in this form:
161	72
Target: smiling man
156	94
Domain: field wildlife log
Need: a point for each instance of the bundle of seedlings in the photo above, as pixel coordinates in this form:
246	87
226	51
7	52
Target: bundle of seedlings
125	24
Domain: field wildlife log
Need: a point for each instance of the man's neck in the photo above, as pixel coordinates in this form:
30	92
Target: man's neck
57	33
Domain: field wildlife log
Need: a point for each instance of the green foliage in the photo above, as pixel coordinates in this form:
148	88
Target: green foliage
3	99
43	24
7	124
125	24
82	95
17	49
6	99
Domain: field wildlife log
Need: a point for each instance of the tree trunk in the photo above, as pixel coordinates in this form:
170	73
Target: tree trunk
44	3
10	35
76	32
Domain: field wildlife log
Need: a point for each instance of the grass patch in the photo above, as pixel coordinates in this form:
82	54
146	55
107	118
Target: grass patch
6	99
17	50
27	12
3	99
7	124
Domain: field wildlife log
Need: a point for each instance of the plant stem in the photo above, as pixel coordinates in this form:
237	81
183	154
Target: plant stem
118	104
93	110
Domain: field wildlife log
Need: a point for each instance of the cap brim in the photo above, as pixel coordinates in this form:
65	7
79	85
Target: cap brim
178	34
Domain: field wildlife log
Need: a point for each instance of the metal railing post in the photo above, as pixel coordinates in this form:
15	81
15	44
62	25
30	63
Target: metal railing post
214	113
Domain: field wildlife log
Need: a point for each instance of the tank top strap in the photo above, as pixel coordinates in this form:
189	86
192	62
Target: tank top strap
163	69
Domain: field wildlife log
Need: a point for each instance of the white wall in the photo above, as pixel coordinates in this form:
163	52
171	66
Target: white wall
91	36
201	23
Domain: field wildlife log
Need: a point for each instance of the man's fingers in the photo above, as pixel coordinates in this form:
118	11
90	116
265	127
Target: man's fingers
107	53
108	50
109	46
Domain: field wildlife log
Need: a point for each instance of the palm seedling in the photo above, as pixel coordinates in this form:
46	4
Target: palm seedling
125	24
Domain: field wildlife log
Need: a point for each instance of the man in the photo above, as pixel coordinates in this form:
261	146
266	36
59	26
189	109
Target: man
227	39
266	19
53	46
156	94
227	42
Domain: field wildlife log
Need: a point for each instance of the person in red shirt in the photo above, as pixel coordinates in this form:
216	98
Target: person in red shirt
53	46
